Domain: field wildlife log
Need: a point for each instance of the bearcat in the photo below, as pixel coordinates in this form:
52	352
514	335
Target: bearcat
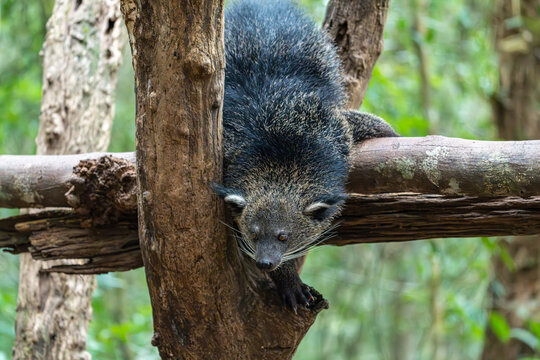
287	137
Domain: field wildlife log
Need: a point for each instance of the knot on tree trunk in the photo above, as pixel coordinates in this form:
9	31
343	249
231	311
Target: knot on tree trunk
104	189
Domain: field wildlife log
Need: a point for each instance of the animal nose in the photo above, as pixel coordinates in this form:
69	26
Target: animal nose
265	264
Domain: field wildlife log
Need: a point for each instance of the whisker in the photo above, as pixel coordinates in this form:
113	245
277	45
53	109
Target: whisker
245	246
230	227
307	243
304	247
305	250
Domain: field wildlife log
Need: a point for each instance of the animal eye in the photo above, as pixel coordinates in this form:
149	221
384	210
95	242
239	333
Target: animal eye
253	235
283	237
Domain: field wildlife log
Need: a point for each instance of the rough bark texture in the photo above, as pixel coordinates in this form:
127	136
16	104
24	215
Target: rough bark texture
367	219
29	181
429	165
81	56
104	190
356	27
516	109
203	303
63	234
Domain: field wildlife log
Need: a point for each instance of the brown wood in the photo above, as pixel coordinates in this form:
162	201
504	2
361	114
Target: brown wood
515	111
447	166
62	234
37	181
356	27
429	165
403	217
366	219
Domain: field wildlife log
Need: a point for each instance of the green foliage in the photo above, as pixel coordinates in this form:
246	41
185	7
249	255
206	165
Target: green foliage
123	325
8	301
456	43
22	29
499	326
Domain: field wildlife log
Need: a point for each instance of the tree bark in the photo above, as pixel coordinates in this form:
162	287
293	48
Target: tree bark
448	166
516	113
366	219
429	165
81	56
30	181
356	27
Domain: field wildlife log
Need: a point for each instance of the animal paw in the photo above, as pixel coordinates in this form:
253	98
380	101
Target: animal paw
294	294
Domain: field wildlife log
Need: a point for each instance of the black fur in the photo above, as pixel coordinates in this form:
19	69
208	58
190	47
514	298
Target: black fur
283	93
286	137
367	126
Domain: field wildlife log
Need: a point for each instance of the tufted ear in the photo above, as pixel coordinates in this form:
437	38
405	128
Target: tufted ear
326	207
231	197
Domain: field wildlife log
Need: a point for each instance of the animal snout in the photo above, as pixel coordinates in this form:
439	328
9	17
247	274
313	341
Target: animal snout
265	264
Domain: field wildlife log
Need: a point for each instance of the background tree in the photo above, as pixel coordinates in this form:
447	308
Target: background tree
515	295
81	57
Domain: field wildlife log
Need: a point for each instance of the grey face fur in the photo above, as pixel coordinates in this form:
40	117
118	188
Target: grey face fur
274	229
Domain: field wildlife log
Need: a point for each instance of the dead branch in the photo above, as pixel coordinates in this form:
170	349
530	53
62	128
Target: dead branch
366	219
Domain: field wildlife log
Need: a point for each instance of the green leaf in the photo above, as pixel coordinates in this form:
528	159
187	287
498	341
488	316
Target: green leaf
500	326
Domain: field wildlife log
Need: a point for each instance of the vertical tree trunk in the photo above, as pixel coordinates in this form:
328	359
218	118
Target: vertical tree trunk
81	56
518	118
356	27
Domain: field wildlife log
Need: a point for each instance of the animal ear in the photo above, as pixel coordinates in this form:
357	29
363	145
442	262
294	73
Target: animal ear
367	126
317	210
235	201
326	207
232	197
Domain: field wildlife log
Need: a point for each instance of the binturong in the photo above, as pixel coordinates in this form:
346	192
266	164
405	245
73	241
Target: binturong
287	138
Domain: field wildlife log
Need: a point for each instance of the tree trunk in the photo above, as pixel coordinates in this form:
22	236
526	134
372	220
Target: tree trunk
517	115
356	27
81	56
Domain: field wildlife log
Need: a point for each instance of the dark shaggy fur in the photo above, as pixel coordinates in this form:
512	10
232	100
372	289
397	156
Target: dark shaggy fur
282	96
286	137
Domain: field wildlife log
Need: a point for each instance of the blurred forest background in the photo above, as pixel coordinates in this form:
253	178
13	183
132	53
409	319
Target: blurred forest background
418	300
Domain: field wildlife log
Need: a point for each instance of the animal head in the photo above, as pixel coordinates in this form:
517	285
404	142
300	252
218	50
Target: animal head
275	226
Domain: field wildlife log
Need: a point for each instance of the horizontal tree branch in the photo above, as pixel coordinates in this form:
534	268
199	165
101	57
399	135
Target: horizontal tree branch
37	181
103	228
446	166
428	165
366	219
404	217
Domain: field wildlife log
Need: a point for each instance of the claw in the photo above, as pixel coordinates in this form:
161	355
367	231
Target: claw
307	293
302	299
296	294
291	301
293	292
